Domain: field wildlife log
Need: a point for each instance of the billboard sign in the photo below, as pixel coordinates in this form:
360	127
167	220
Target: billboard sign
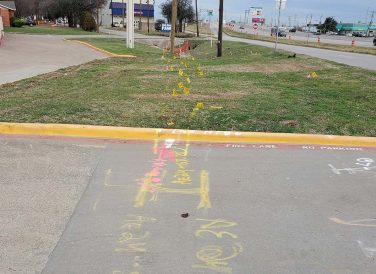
258	20
257	12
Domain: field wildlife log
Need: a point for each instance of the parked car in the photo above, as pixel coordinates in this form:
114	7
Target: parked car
374	41
116	25
29	21
292	30
241	27
359	34
317	33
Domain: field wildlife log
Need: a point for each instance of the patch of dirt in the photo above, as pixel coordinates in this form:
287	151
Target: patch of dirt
267	68
290	123
194	97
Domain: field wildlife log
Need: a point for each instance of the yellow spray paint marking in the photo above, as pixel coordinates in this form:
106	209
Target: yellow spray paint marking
363	222
188	80
214	259
155	146
181	85
200	105
216	107
181	72
202	192
174	93
186	90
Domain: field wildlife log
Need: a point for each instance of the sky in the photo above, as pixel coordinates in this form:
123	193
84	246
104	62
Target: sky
349	11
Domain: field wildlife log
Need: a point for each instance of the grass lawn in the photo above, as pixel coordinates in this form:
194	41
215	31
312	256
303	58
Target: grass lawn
203	28
249	89
49	30
283	40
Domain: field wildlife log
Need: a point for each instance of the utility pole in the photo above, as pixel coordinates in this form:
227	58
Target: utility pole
148	16
97	16
112	15
140	24
123	7
173	23
220	29
198	29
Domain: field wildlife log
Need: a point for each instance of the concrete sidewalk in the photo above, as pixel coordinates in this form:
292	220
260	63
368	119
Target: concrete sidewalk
73	205
24	56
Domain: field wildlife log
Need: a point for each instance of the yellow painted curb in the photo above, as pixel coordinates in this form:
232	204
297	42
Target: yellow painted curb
100	50
182	135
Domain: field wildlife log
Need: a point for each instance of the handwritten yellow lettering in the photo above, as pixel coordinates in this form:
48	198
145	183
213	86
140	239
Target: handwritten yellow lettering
127	236
139	247
204	190
214	259
218	223
217	234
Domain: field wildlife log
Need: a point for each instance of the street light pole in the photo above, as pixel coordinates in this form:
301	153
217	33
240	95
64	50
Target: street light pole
279	17
130	24
220	29
280	5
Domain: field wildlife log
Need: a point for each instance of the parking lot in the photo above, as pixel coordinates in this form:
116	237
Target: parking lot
23	56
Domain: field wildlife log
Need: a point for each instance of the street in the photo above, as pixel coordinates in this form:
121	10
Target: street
302	36
122	206
366	61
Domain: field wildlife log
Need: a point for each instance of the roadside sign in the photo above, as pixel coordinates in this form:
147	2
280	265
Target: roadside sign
210	12
166	28
255	26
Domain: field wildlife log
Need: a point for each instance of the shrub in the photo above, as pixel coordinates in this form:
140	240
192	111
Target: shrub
88	22
16	22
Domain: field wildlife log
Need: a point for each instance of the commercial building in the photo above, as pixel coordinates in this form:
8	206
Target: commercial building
112	12
7	10
346	28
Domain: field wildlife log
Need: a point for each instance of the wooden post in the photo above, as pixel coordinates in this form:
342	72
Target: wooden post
220	29
174	15
198	29
97	16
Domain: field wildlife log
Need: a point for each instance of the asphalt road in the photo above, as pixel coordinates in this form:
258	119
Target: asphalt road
302	36
105	206
23	56
366	61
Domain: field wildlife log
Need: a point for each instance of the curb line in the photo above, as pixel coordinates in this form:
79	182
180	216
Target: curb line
99	49
182	135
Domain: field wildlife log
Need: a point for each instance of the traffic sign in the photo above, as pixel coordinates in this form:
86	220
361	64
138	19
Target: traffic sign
210	12
255	26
